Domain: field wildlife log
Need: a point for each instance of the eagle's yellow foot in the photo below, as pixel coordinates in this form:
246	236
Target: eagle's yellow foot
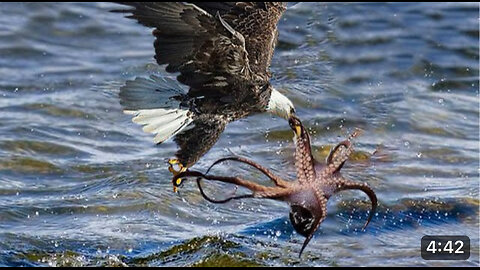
176	171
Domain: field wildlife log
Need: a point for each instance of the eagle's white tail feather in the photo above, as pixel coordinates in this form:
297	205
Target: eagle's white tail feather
165	123
155	116
150	103
171	129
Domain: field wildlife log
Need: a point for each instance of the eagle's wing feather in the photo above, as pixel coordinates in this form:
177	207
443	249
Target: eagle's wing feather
214	7
257	22
198	45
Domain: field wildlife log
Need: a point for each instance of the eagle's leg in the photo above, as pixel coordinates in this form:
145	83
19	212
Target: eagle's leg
178	181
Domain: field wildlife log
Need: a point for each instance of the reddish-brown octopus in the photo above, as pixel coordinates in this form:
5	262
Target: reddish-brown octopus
308	195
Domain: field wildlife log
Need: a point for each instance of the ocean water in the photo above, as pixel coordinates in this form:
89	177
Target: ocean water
82	185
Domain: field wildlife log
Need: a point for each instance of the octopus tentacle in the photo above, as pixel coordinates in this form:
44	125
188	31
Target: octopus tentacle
206	197
275	193
307	240
304	161
318	221
340	154
260	191
277	180
231	180
272	193
349	185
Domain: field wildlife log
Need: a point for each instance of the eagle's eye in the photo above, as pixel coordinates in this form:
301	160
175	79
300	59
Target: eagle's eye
302	220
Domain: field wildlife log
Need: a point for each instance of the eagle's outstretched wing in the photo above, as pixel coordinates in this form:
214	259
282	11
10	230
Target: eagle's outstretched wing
257	22
207	52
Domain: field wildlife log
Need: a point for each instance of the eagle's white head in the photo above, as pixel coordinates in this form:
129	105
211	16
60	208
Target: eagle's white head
280	105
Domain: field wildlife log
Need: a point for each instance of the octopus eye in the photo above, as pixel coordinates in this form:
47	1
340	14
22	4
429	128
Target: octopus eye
302	220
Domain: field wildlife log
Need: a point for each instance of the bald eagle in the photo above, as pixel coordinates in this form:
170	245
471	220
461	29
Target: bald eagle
221	51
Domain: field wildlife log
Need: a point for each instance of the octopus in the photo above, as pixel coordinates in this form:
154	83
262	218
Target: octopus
308	194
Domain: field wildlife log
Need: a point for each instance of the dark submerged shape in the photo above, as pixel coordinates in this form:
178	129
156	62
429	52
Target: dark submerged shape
308	195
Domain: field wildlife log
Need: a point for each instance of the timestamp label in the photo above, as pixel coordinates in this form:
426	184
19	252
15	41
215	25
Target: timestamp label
443	247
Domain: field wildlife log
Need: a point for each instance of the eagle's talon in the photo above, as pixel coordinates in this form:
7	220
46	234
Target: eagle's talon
174	171
177	182
173	161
